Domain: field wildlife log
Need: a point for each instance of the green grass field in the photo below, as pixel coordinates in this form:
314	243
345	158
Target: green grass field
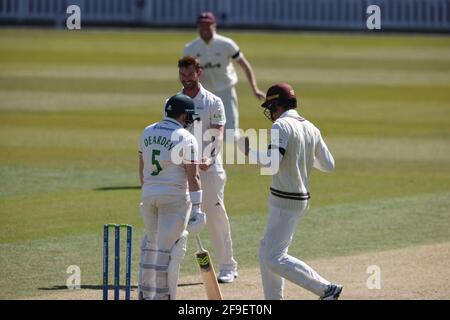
72	106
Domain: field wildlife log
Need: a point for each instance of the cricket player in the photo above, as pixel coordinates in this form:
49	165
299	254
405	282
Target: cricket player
297	149
212	116
170	181
216	53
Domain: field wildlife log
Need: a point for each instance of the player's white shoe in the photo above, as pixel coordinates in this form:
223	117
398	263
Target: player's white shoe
332	293
227	276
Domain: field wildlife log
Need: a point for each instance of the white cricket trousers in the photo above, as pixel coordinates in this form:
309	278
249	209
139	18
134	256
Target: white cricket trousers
165	219
213	185
275	263
230	102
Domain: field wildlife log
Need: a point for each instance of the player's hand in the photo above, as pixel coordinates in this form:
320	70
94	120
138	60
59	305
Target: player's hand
259	94
197	220
244	145
206	163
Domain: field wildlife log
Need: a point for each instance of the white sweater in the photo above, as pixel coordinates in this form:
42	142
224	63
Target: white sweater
301	148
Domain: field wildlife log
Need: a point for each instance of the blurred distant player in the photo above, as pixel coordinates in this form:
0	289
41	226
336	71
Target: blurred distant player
216	53
296	149
212	115
166	177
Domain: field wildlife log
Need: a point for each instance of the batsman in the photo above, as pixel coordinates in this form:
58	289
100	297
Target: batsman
170	180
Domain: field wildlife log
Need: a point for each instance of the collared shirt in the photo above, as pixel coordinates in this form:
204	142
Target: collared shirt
212	112
160	147
303	148
216	59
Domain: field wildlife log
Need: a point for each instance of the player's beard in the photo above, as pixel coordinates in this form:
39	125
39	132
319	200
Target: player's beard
190	85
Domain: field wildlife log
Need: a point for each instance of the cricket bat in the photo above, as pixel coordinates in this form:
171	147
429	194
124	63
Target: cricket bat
207	272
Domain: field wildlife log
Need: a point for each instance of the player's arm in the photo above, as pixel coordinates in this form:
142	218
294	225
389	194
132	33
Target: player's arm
191	161
218	139
264	159
214	134
141	169
323	159
197	219
193	177
247	68
141	162
271	158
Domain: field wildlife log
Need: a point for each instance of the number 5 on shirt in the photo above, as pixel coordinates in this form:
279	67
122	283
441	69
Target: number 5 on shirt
156	162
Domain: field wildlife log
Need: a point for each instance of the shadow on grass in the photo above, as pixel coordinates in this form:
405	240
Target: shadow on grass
117	188
110	287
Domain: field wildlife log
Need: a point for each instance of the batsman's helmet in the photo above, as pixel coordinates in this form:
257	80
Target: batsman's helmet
179	104
280	94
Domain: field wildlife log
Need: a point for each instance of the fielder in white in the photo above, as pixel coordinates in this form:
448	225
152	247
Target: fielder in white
170	186
212	116
216	53
298	149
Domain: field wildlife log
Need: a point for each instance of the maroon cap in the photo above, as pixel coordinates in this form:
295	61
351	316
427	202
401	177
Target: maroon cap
207	17
280	93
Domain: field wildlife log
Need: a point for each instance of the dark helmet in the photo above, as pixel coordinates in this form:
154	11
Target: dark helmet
279	94
179	104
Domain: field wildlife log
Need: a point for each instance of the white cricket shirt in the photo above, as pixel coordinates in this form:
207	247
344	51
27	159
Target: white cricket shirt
216	59
303	148
164	171
212	112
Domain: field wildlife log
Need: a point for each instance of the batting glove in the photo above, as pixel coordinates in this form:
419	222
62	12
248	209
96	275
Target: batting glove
197	220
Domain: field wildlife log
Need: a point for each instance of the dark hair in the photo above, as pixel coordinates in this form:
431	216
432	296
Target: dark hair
188	61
